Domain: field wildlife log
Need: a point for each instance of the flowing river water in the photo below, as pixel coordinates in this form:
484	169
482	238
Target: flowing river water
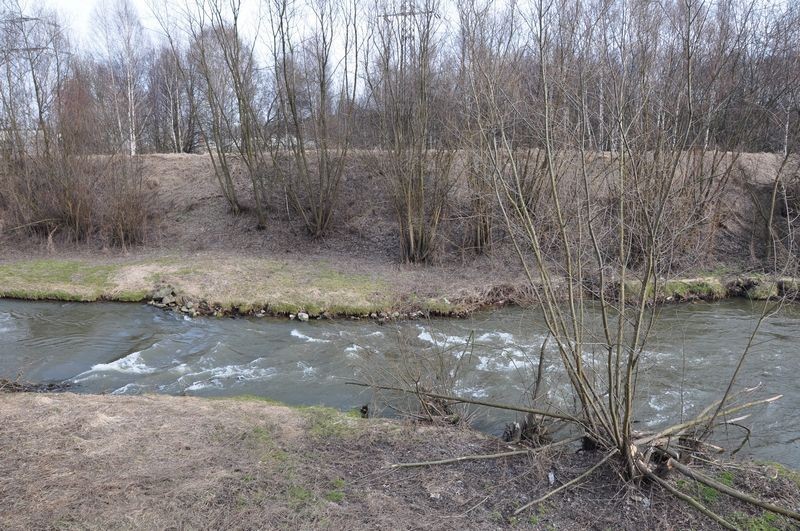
131	349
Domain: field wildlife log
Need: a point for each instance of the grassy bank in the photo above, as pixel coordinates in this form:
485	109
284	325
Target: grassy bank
209	284
215	284
87	461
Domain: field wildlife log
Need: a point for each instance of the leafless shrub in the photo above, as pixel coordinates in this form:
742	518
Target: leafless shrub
316	92
437	369
79	199
51	183
402	80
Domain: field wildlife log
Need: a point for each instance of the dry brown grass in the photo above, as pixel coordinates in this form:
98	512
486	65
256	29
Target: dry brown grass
156	462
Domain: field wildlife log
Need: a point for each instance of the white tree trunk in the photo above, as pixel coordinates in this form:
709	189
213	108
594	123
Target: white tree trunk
131	107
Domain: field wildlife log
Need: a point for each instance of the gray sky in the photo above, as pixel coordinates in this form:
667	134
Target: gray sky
78	14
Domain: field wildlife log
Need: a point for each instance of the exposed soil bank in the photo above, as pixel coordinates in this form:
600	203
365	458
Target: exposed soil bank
77	461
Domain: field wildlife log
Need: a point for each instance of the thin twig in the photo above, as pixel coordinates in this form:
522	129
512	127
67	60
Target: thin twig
567	484
745	439
497	405
486	456
702	478
32	223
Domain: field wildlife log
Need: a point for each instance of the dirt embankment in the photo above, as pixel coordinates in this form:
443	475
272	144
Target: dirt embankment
157	462
208	261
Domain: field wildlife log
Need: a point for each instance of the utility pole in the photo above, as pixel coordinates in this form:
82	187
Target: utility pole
21	20
20	44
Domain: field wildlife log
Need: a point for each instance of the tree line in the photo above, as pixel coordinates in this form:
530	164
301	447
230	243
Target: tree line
289	92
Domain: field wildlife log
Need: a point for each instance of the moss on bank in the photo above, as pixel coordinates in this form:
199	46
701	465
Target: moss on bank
704	288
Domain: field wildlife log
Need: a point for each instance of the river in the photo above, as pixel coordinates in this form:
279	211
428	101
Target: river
131	349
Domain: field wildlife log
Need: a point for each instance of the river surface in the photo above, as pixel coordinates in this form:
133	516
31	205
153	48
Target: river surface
131	349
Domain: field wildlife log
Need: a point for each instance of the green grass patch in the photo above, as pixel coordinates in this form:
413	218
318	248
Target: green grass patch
250	398
633	289
701	288
726	478
42	295
262	439
131	296
64	280
326	423
789	286
783	471
709	495
237	285
764	522
261	435
440	306
284	287
336	494
299	496
58	271
763	290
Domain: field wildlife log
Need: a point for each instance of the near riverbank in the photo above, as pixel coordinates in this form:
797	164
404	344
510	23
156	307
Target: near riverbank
87	461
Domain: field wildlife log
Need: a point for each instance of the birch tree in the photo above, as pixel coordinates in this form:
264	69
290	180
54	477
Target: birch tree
121	45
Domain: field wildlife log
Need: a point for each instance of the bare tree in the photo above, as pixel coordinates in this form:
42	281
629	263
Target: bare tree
230	109
172	100
316	89
52	181
120	36
402	80
603	224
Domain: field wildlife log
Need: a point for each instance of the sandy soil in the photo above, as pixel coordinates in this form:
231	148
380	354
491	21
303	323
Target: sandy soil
155	462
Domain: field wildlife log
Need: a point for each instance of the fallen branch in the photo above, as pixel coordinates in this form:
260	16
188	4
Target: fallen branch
567	484
702	478
496	405
486	456
460	459
699	420
685	497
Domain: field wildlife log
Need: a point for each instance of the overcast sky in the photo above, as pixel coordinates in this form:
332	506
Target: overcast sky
78	15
